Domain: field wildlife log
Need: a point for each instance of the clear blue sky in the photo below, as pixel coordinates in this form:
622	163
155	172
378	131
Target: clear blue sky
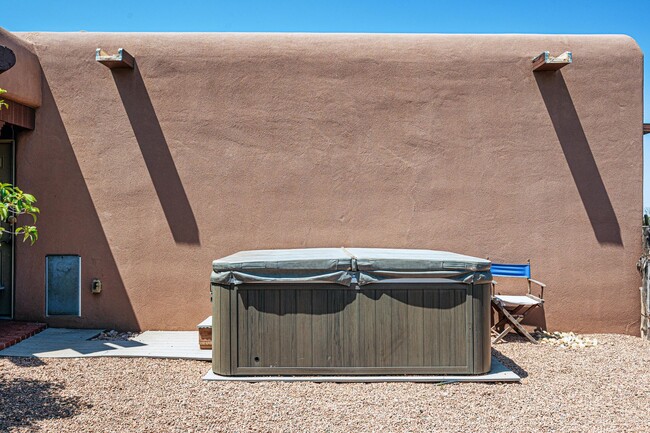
417	16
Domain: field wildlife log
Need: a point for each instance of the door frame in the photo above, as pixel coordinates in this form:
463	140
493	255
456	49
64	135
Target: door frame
12	142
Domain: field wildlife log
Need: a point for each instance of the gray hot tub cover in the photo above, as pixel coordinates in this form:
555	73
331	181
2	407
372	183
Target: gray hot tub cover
317	265
377	264
346	266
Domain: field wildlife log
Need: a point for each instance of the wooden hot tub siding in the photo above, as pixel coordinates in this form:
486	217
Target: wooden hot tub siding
384	328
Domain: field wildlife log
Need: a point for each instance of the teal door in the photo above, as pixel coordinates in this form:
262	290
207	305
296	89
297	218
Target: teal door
6	240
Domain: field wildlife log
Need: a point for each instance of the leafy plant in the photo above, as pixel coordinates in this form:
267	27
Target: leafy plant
3	104
14	203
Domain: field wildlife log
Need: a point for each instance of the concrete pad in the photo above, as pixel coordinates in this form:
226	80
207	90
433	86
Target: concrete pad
498	373
75	343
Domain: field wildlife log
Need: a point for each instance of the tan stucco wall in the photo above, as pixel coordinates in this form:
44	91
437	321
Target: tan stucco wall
23	81
224	142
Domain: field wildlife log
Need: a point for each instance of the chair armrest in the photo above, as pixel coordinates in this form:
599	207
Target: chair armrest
541	286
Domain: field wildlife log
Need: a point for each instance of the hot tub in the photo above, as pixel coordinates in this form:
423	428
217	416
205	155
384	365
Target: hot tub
350	311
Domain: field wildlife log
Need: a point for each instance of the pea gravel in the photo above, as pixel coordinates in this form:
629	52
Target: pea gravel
602	388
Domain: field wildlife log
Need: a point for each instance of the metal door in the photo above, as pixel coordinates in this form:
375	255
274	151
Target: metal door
6	240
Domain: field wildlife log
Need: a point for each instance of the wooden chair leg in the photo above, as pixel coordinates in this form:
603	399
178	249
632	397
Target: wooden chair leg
497	327
517	325
510	322
501	328
503	333
502	317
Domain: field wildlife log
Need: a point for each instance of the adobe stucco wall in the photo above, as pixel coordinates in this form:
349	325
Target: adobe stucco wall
23	81
223	142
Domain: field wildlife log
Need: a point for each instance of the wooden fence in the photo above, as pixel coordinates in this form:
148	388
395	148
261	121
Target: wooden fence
644	268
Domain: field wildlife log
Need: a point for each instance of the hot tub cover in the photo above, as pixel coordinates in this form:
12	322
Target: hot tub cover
347	266
377	264
325	265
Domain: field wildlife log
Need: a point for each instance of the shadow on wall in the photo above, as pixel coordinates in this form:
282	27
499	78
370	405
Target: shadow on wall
27	401
579	157
69	224
536	318
157	156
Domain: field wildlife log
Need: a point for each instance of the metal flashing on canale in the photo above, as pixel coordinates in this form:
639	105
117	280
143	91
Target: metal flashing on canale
546	62
120	60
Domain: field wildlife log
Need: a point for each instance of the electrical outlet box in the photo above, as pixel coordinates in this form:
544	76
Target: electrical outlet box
96	286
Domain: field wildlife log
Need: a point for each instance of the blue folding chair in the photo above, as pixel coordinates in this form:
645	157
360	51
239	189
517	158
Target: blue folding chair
511	309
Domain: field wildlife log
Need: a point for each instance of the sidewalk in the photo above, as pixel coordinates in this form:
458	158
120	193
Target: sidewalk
76	343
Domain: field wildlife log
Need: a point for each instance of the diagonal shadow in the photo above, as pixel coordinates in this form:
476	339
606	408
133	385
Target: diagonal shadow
579	157
50	169
54	344
510	364
157	156
25	402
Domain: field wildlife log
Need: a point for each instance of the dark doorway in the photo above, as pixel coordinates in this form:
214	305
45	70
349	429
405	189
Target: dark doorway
6	240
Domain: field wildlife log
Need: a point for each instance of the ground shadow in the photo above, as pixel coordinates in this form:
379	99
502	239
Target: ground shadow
157	156
509	363
54	340
579	157
24	402
25	362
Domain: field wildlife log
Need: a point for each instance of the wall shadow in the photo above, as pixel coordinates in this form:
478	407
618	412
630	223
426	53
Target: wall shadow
69	224
23	402
157	156
579	157
536	318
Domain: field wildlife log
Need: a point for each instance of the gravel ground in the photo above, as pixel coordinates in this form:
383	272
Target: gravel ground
602	388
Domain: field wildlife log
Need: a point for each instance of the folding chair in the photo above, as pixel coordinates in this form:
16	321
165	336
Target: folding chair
511	309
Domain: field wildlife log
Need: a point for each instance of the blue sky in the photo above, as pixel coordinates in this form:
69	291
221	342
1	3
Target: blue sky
460	16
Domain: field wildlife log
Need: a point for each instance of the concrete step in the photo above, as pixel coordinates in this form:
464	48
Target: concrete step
205	334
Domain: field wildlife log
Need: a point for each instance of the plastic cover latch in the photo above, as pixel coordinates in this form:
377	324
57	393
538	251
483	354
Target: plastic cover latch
354	281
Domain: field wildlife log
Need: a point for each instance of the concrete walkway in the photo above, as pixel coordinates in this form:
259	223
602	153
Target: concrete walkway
75	343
